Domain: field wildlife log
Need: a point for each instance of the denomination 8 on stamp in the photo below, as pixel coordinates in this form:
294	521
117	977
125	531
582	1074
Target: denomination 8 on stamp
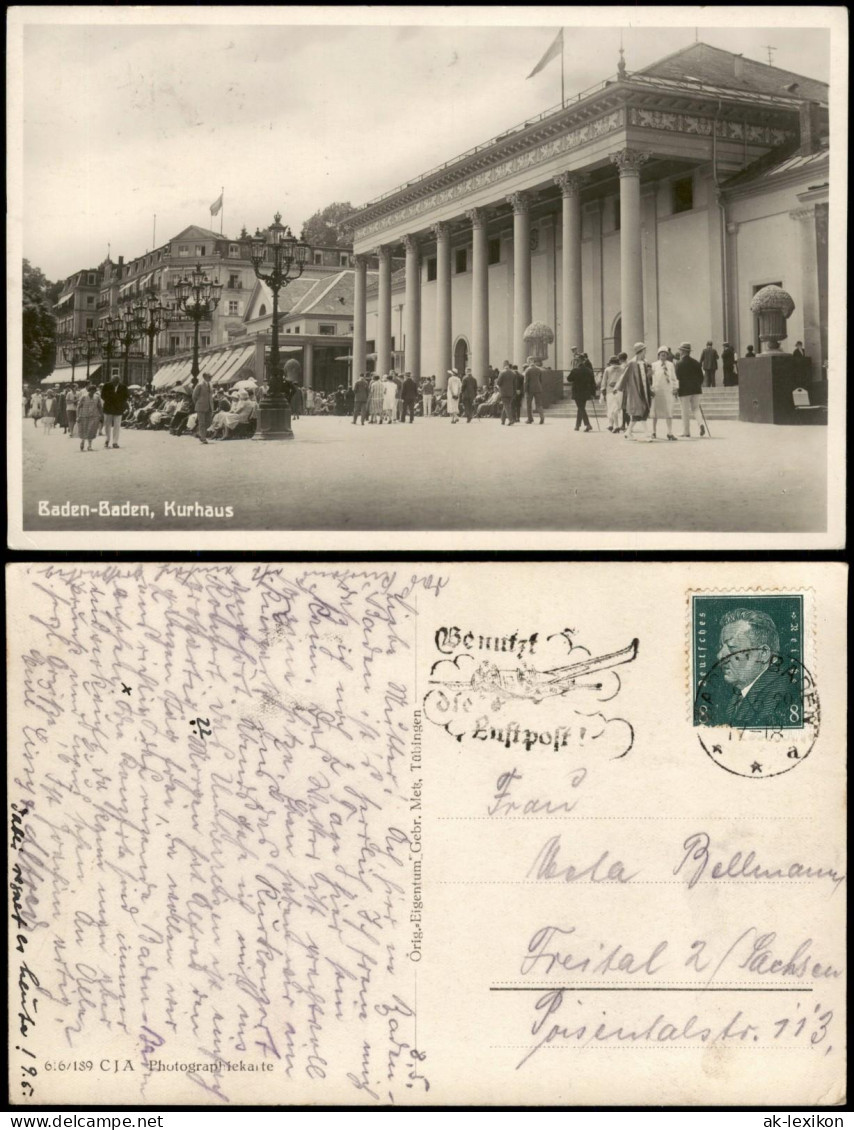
755	704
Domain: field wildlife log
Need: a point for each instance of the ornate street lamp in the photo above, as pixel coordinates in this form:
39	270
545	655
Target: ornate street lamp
154	318
198	296
71	352
129	329
90	348
288	256
108	336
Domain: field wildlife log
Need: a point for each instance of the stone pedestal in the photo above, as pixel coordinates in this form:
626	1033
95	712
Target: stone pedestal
274	419
765	387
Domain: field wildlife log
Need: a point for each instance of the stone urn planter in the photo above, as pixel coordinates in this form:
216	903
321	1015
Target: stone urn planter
772	305
538	337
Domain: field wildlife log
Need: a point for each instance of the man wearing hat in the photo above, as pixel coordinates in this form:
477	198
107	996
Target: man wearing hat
518	393
534	390
408	396
689	374
634	384
469	394
360	399
203	404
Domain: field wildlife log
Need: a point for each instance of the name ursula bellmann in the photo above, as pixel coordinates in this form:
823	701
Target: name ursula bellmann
106	509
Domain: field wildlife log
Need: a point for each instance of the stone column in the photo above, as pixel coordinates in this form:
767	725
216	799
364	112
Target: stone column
383	345
805	218
479	295
629	161
444	344
572	318
521	202
308	364
412	314
360	318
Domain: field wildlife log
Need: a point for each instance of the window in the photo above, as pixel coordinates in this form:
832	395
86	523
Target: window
174	343
296	329
92	280
234	282
90	322
617	214
183	250
262	310
90	299
326	328
431	270
318	258
345	260
206	340
233	306
201	249
234	250
370	347
494	251
460	260
682	194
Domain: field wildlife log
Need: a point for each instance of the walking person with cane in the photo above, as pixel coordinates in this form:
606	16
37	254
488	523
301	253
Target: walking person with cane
689	374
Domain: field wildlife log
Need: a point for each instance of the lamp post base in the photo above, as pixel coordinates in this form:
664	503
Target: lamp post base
274	419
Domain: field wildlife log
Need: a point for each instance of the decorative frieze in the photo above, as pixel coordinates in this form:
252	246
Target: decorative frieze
629	161
499	172
803	213
705	127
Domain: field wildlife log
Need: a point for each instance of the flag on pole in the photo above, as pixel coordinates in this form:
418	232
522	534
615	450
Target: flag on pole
217	204
552	53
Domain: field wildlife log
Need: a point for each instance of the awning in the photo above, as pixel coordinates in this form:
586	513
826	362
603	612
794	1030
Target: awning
172	373
239	358
62	376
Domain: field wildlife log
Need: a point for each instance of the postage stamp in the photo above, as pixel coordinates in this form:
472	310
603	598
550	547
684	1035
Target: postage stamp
754	702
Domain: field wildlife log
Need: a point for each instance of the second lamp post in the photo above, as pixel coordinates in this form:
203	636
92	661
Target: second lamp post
197	296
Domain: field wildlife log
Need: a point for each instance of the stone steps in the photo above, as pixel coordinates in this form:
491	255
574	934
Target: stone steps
718	404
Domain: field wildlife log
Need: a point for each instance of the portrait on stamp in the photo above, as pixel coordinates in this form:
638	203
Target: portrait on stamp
748	661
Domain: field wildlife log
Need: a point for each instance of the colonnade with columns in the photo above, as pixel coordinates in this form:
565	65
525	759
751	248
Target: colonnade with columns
571	184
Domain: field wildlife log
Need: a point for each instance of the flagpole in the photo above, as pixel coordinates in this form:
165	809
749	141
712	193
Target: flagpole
562	96
222	207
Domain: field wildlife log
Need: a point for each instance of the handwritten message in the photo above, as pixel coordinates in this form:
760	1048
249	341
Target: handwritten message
213	832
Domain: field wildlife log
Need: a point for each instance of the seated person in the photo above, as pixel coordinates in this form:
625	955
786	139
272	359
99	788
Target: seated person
241	420
179	420
491	405
218	423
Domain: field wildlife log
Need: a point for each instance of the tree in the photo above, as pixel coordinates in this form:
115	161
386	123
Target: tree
38	325
320	230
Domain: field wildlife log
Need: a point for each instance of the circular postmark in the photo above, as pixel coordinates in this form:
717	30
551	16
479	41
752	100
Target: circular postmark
763	729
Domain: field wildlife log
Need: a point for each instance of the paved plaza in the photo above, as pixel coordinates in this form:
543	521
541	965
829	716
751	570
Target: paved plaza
432	475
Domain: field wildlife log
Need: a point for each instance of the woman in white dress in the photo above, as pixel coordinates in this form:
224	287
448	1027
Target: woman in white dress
455	387
664	383
389	399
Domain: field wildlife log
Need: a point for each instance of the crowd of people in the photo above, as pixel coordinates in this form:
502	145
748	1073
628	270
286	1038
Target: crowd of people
633	391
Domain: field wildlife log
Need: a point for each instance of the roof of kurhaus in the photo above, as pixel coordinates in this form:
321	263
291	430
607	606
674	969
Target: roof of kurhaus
716	65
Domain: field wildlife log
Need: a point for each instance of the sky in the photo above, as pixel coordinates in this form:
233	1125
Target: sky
122	122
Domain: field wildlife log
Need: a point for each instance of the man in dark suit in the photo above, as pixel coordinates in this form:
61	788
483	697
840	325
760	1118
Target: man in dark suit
518	393
114	396
583	381
709	363
408	396
751	687
468	394
360	399
506	384
689	373
534	389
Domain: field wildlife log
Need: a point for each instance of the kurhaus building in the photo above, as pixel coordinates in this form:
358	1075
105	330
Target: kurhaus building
651	207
